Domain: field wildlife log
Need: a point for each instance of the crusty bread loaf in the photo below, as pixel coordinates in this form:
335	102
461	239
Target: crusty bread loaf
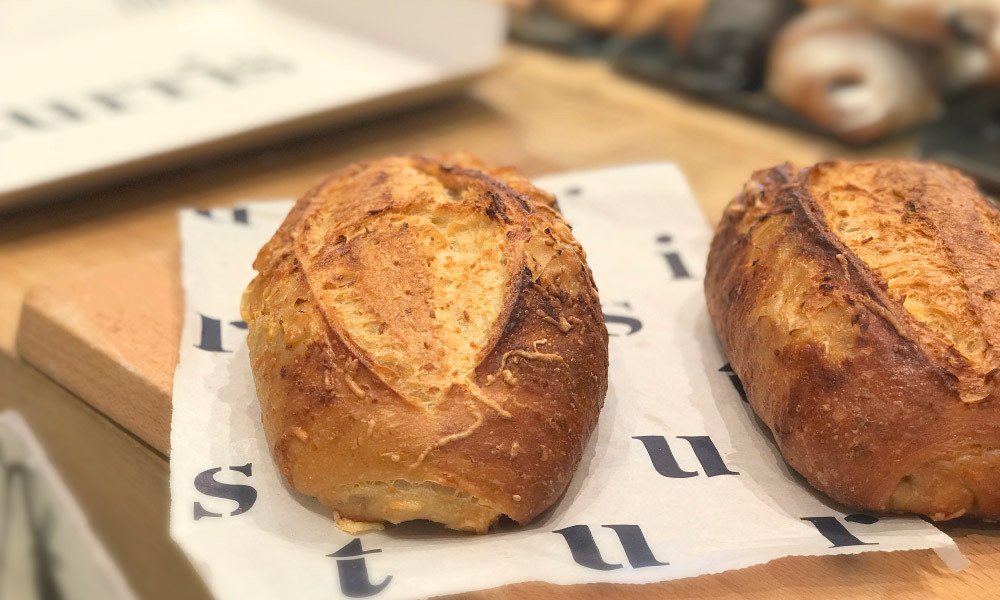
860	305
427	343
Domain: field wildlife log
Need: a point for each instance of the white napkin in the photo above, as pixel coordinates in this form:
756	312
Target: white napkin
679	479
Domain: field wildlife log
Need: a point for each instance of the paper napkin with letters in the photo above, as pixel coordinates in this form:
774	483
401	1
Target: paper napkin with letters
679	479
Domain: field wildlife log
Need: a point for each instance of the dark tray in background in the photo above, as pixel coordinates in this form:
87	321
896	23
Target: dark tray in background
539	27
968	138
651	59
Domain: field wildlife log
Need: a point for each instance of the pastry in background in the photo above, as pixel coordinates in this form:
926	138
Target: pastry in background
934	21
597	15
965	32
836	68
427	343
968	66
626	18
859	303
682	23
642	17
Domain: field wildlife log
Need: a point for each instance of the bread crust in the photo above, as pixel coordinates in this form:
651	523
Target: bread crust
427	343
859	303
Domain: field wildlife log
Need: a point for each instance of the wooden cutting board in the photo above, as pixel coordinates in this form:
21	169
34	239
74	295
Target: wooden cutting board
109	333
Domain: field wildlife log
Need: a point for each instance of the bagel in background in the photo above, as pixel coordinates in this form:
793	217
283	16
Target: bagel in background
965	32
837	69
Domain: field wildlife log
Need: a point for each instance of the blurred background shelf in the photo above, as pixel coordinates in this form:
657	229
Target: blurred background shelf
864	73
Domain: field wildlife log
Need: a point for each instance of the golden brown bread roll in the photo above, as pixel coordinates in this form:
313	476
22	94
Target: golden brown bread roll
427	343
860	305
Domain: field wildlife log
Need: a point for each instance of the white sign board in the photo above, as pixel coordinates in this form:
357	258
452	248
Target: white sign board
92	89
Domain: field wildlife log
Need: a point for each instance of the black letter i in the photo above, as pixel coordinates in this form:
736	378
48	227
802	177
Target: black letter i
673	259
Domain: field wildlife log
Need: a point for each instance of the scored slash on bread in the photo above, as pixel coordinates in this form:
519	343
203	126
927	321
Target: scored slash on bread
859	303
427	343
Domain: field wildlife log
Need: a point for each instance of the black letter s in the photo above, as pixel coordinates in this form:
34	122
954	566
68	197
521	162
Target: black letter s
244	495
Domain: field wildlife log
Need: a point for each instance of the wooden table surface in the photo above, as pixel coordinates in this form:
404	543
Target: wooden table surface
103	317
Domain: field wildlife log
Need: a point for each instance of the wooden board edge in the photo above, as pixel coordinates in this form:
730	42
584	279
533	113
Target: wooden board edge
92	374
